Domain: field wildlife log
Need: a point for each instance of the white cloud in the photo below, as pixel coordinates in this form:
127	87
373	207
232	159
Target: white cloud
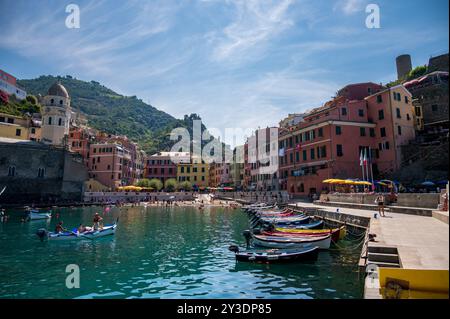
100	45
254	23
349	7
247	104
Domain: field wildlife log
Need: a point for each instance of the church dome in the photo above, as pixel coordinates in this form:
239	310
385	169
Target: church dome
58	89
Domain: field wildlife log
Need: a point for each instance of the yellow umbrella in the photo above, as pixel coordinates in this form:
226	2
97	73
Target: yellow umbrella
326	181
363	183
349	182
337	181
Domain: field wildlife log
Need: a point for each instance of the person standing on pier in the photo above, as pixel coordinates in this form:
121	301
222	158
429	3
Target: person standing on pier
380	202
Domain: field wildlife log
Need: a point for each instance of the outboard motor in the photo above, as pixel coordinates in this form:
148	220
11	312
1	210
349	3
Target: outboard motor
257	231
254	218
234	249
248	235
255	224
42	233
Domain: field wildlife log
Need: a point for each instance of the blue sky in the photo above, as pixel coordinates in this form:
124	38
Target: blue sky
236	63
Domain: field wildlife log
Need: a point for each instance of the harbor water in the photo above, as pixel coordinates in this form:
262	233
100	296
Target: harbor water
157	252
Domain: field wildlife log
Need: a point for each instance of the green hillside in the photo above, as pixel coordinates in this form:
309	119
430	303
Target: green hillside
113	113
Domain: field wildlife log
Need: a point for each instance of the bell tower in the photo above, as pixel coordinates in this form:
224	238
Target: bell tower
55	115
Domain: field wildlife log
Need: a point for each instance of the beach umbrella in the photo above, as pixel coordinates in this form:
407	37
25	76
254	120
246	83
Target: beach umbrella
428	183
363	183
337	181
327	181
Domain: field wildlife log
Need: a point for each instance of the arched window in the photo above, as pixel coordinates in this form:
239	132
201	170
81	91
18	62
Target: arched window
61	102
60	121
52	101
12	171
41	172
49	120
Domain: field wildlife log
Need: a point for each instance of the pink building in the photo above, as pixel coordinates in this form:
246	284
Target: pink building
393	112
163	165
133	162
107	164
112	160
79	142
220	174
329	141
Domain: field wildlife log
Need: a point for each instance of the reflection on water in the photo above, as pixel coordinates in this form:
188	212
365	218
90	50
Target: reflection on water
161	253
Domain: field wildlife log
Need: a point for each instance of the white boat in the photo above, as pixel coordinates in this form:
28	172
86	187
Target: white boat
323	242
35	214
75	235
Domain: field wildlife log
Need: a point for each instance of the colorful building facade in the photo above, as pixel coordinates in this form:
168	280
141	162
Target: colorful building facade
8	84
163	165
196	171
330	140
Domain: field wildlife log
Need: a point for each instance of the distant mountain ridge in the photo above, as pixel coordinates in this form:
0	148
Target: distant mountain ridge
113	113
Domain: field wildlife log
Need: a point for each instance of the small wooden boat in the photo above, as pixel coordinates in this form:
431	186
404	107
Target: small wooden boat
284	213
336	233
323	242
74	235
34	214
253	208
286	220
275	255
313	225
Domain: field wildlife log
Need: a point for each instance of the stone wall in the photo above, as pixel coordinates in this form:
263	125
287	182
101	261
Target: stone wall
280	197
421	200
113	197
63	177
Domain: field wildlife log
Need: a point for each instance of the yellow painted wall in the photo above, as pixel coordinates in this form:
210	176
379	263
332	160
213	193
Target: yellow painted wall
93	185
193	173
9	131
422	283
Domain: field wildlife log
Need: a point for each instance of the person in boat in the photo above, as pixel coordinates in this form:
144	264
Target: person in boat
83	229
97	220
59	228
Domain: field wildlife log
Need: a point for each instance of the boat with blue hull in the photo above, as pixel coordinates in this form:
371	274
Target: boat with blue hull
107	230
34	214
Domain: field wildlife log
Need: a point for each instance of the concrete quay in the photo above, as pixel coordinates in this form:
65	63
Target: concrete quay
422	242
411	241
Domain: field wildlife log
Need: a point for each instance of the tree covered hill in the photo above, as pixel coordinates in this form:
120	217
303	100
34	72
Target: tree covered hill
113	113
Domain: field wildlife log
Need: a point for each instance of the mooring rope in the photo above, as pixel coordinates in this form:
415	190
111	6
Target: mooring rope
348	248
331	225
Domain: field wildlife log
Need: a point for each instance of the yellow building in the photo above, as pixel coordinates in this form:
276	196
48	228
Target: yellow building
12	126
196	172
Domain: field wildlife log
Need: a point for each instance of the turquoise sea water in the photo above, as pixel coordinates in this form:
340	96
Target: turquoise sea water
161	253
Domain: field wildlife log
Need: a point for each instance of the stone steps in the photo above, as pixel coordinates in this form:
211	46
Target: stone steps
383	256
440	215
378	257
